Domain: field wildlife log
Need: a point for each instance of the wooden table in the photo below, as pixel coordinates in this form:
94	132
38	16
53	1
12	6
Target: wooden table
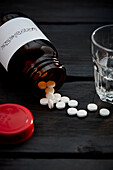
60	141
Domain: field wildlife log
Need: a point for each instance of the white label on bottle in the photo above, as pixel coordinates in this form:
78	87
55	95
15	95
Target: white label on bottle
14	34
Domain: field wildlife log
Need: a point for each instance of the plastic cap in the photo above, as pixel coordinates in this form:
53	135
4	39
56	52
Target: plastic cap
16	123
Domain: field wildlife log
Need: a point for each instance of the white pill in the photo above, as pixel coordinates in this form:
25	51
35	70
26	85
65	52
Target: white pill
104	112
55	100
50	104
81	113
60	105
72	103
50	96
49	90
44	101
42	85
50	83
57	97
65	99
72	111
92	107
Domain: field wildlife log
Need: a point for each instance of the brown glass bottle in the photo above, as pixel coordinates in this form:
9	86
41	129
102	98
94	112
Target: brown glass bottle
36	61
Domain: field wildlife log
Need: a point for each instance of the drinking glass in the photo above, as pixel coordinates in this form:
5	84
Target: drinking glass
102	55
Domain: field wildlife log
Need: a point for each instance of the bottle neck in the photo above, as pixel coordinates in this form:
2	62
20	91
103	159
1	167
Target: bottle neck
46	67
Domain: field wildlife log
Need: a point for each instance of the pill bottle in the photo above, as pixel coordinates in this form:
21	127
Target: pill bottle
25	52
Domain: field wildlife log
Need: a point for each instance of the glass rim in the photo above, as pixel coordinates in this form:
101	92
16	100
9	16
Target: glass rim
97	44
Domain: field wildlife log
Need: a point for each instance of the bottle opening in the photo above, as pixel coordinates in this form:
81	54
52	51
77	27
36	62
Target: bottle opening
56	74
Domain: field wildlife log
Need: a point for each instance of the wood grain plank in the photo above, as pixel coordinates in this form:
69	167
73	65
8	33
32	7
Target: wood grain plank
62	11
49	164
56	132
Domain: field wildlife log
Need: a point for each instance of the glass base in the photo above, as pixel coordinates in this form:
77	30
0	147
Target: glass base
105	96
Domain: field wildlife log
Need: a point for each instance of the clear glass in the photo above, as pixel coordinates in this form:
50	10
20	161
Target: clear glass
102	52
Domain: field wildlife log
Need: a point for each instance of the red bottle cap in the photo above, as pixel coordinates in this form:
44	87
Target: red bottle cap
16	123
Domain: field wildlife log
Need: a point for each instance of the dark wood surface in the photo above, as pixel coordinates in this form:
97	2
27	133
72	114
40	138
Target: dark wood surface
60	141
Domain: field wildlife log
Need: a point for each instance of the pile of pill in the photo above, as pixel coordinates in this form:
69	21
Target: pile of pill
51	99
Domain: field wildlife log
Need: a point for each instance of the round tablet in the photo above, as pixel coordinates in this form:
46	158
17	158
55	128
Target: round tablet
42	85
104	112
57	97
72	111
60	105
81	113
65	99
50	104
55	100
44	101
50	96
92	107
72	103
50	83
49	90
